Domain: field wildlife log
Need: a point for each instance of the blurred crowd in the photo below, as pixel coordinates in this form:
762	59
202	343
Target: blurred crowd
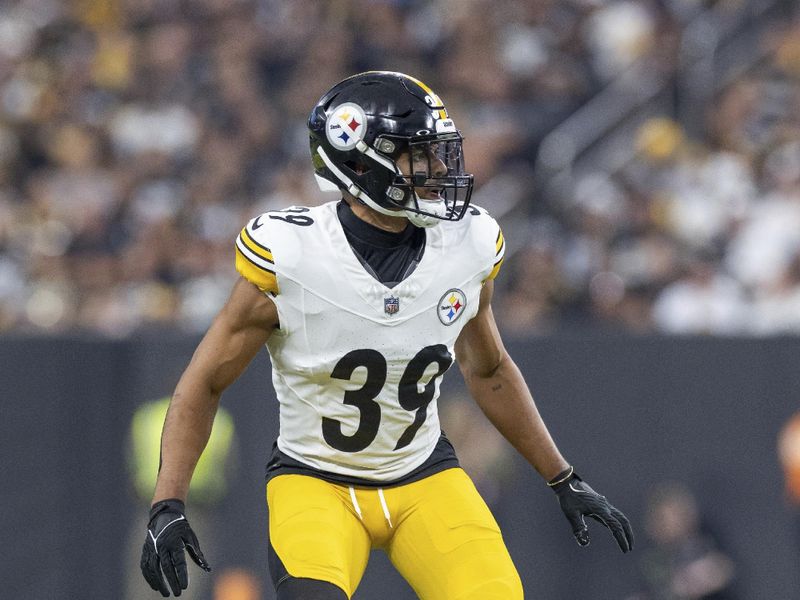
682	558
138	136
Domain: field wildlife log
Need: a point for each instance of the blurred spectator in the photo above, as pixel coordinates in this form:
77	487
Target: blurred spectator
789	456
682	562
702	301
237	584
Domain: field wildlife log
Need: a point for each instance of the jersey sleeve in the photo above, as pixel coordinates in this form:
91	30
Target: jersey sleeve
254	260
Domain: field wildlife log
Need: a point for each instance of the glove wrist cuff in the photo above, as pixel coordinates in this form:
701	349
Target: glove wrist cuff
565	475
170	504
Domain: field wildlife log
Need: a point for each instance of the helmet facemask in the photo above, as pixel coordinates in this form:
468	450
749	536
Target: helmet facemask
429	182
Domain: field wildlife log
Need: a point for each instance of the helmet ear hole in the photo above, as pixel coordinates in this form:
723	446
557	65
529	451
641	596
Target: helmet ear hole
359	168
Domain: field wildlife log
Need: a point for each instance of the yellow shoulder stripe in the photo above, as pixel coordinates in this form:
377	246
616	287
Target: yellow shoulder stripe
262	278
495	269
254	247
499	254
254	261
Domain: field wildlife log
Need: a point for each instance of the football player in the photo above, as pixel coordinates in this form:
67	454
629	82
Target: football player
364	304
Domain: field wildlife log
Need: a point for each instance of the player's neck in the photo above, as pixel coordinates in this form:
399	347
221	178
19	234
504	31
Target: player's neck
376	219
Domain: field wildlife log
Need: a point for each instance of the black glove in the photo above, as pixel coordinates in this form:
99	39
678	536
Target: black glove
578	500
168	532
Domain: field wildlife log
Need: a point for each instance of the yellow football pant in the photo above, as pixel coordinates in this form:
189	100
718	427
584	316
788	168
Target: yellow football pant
438	533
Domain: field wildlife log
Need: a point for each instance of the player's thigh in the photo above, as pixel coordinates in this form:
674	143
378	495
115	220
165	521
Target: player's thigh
449	547
314	533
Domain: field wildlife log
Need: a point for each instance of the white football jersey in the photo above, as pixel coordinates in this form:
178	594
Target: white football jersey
356	365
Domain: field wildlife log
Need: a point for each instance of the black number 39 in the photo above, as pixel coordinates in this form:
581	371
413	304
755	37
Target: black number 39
294	216
409	395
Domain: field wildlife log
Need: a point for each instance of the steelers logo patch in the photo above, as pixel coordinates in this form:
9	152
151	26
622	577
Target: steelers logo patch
346	126
451	306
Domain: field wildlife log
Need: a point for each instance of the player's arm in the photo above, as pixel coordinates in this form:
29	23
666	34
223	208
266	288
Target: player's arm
239	330
497	385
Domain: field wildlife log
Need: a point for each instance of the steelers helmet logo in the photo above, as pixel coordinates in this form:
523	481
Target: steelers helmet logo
451	306
346	126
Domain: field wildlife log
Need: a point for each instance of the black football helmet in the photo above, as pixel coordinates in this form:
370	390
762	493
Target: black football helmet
386	139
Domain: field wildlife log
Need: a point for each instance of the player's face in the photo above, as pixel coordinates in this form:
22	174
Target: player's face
424	159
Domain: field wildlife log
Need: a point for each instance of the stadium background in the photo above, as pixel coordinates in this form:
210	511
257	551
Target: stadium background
642	156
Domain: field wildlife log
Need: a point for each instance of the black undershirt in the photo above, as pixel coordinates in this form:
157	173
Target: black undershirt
389	257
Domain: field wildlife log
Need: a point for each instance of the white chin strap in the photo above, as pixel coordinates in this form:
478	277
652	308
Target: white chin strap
436	207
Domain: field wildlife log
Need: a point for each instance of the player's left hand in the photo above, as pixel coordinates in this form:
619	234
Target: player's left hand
168	533
578	500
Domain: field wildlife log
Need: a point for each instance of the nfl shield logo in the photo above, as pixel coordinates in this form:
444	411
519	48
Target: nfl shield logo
391	305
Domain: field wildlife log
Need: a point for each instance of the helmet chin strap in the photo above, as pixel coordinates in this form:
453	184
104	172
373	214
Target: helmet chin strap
436	207
351	187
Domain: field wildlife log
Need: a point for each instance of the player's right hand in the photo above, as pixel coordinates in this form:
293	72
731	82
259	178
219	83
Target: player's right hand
168	533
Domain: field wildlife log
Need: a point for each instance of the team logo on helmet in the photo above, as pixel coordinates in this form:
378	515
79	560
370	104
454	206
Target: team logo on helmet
451	306
346	126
